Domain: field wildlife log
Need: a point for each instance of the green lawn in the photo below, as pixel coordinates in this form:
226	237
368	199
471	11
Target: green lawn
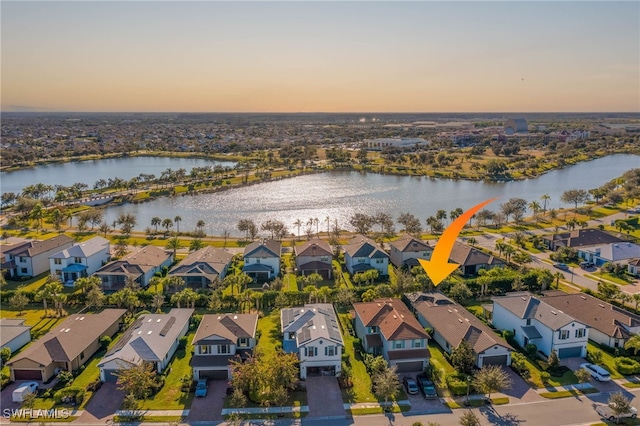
568	378
610	277
568	393
608	361
442	366
30	285
290	283
268	328
361	390
170	396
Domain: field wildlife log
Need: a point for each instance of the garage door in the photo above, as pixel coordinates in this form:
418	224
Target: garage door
404	367
214	374
495	360
570	352
110	375
27	374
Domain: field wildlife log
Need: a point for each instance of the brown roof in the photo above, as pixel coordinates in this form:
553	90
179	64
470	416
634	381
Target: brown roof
454	323
37	247
67	340
228	326
407	243
315	247
393	318
463	254
582	237
136	263
206	261
595	313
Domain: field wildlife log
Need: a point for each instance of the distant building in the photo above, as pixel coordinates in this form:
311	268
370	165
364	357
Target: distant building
516	125
380	143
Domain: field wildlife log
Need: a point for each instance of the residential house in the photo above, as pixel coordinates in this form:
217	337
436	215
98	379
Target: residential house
608	324
314	256
139	266
14	334
363	254
613	252
633	267
313	333
151	338
579	238
200	268
534	321
451	324
80	260
66	347
472	260
221	338
32	257
262	260
406	250
386	327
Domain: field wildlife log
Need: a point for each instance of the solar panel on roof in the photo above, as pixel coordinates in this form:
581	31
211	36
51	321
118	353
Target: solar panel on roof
167	326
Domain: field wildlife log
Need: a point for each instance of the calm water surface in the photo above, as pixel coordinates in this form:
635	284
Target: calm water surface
338	195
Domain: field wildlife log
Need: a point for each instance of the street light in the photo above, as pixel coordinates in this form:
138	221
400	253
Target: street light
468	386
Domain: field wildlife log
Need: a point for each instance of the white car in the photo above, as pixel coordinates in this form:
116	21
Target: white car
597	372
606	412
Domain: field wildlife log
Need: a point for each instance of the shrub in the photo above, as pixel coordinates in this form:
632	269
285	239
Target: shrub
545	377
95	385
70	395
105	341
457	384
65	378
627	366
532	350
594	357
182	343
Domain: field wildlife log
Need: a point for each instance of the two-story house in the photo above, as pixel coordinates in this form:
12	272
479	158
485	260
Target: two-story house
313	333
219	339
534	321
200	268
32	257
152	338
609	325
386	327
406	250
314	256
139	266
451	324
262	260
80	260
363	254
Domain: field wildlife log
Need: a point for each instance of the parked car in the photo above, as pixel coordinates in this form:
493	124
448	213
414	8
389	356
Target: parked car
426	386
201	388
410	385
606	412
562	266
597	372
586	265
23	390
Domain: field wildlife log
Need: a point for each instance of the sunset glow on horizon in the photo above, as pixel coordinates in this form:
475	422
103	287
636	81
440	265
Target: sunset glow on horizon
320	56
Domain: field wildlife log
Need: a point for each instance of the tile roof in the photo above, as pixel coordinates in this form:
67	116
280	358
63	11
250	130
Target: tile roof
229	327
527	306
393	318
68	339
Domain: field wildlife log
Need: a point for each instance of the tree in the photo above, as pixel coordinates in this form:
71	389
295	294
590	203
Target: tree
19	301
575	196
127	221
157	301
177	221
155	221
490	379
87	283
173	244
460	292
386	383
137	380
582	375
5	354
462	358
196	244
166	224
553	360
95	297
619	404
545	199
469	418
633	343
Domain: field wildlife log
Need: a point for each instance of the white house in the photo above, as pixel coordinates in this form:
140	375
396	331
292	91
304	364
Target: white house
313	333
363	254
32	257
219	339
387	328
80	260
536	322
151	338
406	250
262	260
451	324
14	334
622	252
633	267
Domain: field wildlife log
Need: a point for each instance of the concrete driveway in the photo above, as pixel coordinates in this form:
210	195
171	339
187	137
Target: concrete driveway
420	405
6	398
209	408
324	397
519	390
104	403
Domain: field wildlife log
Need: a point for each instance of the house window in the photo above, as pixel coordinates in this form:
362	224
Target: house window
224	349
378	260
58	273
311	351
361	260
24	271
563	334
528	321
330	350
417	343
398	344
374	329
77	260
581	332
243	342
82	355
258	261
205	349
324	259
57	261
292	336
23	259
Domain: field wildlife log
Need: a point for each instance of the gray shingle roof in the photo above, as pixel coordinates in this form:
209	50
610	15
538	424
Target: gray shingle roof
84	249
311	322
361	246
527	306
230	327
208	261
268	248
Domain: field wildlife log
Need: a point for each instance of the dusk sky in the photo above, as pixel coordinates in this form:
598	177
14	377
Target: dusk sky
320	56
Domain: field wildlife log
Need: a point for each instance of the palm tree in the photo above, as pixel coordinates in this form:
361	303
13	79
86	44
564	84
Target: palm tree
298	224
558	276
633	343
636	300
167	223
177	221
155	221
200	225
535	208
545	198
174	244
157	301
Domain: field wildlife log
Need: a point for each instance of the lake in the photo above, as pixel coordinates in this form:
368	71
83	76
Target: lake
338	195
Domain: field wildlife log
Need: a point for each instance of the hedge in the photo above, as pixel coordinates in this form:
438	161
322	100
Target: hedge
457	383
70	395
627	366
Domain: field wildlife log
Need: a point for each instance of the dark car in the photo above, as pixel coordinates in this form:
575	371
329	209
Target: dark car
426	386
410	385
562	266
586	265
